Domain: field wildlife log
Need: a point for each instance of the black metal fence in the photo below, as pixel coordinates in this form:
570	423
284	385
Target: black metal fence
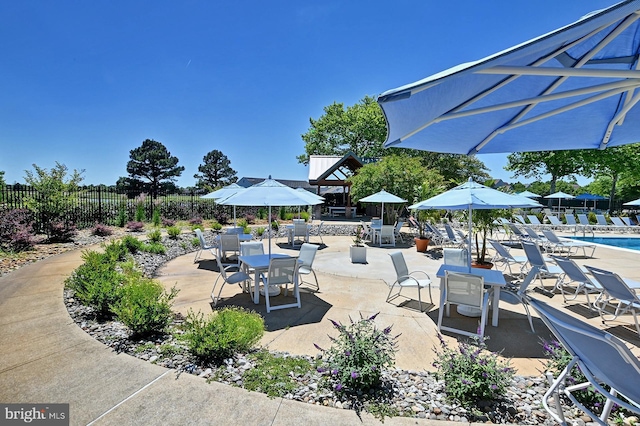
86	207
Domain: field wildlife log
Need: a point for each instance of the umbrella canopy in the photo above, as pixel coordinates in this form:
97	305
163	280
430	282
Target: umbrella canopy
572	88
382	197
470	196
633	203
590	197
311	196
225	192
560	196
528	194
269	193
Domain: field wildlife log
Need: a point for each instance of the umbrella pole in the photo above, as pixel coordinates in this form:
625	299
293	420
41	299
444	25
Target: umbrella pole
234	217
470	238
269	232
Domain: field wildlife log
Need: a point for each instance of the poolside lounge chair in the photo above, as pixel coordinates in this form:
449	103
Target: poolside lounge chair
556	223
534	258
576	279
569	244
535	237
520	219
455	240
602	222
534	221
606	362
404	278
504	257
518	232
515	294
618	224
584	222
616	295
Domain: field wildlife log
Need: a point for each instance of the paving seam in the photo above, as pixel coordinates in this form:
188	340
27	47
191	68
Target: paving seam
65	349
128	398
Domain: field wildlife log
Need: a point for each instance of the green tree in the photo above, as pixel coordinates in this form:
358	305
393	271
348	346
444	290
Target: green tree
400	175
612	163
215	172
558	164
153	163
54	189
359	128
2	185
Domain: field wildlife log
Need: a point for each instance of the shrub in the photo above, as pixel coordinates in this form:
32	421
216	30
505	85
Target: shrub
144	306
274	225
216	226
260	230
16	230
262	213
61	232
242	223
173	232
250	218
283	213
121	221
154	236
101	230
155	219
140	215
222	333
197	226
305	216
154	248
195	221
135	226
132	244
356	359
96	282
222	217
470	373
274	374
167	223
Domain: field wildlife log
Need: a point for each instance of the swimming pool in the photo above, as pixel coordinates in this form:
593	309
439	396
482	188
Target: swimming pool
620	242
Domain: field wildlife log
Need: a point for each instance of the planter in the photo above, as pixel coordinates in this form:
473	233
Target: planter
422	244
485	265
358	254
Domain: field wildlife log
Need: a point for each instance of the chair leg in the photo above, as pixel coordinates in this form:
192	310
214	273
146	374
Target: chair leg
197	255
215	299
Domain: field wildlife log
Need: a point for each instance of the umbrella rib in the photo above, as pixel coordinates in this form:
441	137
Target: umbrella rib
619	117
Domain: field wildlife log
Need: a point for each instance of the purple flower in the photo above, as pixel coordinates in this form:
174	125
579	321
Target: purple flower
338	387
372	317
387	330
334	371
321	370
354	375
494	387
318	347
335	324
347	352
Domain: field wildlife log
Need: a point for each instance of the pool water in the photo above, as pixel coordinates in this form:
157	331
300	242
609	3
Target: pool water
621	242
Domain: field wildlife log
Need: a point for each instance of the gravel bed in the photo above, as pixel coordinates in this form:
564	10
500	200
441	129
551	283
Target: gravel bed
414	393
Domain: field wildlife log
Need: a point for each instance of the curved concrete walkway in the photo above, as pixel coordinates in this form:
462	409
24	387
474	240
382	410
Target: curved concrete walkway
46	358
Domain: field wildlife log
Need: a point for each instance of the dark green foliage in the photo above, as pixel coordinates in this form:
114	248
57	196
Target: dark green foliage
155	248
357	357
262	213
16	230
275	375
283	213
121	221
140	215
153	163
97	282
155	220
470	373
216	171
144	306
222	333
132	244
216	226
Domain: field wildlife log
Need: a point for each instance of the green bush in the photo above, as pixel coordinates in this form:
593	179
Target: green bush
154	236
470	373
154	248
173	232
283	213
121	221
274	374
140	216
242	223
305	216
132	244
262	213
260	230
96	282
155	219
357	357
115	251
216	226
222	333
144	306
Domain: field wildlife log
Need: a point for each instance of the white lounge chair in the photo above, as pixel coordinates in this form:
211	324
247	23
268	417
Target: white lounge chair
534	258
504	257
569	244
606	362
619	225
514	294
464	290
576	279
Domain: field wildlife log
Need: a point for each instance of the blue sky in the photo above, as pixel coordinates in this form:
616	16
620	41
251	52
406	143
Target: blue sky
85	82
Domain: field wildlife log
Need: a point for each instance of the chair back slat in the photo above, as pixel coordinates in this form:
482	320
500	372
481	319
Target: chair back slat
465	289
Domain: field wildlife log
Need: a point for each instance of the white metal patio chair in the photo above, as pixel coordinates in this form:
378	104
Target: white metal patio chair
387	236
515	294
317	231
282	271
239	277
605	361
305	263
229	243
464	290
299	234
455	256
203	244
616	295
404	278
396	230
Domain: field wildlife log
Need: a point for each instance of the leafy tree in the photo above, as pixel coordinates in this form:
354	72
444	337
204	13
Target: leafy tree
613	163
400	175
359	128
454	168
153	163
2	185
215	171
54	193
558	164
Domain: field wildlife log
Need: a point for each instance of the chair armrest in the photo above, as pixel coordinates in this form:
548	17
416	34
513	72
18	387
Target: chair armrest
419	272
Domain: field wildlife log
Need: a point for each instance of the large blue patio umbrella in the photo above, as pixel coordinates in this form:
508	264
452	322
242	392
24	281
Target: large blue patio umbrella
572	88
269	193
471	195
590	197
226	192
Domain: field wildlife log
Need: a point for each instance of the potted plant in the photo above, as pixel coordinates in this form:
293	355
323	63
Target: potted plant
422	240
358	251
485	221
